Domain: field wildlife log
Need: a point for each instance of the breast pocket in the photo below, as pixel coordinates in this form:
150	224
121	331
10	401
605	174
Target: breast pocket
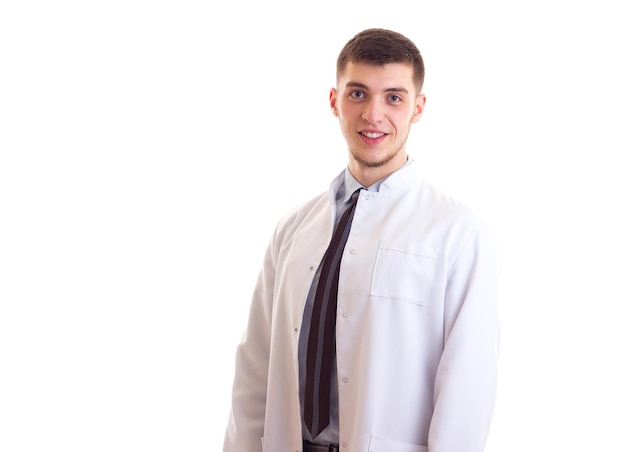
403	272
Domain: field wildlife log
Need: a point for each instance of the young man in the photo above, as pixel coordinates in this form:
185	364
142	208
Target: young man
386	339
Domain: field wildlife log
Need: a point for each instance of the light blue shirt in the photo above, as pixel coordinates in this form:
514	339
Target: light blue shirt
330	435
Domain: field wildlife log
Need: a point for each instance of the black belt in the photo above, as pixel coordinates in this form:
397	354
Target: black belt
310	447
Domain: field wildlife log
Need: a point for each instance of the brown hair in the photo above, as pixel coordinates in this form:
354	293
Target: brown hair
378	46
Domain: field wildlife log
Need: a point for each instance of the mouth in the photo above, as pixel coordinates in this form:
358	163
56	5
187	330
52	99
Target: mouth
372	138
372	135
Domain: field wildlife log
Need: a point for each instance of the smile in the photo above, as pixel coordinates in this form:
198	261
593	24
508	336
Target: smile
372	134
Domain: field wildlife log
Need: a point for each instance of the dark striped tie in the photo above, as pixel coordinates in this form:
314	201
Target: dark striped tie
321	345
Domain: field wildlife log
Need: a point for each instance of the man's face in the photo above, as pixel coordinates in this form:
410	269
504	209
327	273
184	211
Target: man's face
376	106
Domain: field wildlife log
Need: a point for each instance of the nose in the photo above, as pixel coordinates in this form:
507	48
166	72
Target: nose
373	111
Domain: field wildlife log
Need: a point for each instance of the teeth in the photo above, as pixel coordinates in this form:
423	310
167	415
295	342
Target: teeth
372	135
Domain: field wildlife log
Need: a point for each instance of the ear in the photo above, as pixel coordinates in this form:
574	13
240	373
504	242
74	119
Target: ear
420	103
333	101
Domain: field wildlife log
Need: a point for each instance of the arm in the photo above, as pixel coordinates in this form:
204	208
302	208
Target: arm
247	416
465	385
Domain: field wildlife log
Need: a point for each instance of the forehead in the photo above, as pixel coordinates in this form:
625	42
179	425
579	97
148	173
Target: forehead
377	77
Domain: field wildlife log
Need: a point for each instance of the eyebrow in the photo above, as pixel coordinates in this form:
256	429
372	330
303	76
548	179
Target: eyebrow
387	90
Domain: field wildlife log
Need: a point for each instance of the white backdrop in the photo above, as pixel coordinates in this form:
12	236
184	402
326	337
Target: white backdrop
147	149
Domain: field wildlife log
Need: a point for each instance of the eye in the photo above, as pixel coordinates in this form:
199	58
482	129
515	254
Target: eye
357	94
395	98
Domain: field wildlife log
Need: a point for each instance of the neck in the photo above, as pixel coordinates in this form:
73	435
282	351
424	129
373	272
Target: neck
367	175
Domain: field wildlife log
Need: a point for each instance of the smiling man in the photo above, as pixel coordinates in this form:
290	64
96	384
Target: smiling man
376	106
374	323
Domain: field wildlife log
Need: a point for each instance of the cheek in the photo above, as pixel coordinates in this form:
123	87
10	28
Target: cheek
348	112
409	118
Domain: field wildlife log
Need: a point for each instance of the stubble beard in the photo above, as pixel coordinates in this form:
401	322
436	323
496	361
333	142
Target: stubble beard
377	164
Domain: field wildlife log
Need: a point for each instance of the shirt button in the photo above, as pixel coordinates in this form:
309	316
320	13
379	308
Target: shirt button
367	196
345	380
345	445
352	251
344	315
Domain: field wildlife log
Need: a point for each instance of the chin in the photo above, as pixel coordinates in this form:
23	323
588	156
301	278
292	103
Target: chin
372	161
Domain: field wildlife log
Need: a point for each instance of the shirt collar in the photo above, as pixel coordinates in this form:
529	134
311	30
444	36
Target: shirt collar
350	184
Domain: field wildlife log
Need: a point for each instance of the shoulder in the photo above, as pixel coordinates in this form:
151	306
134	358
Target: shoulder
444	206
303	213
412	189
456	222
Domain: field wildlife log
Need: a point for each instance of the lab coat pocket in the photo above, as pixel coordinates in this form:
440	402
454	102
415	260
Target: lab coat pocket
378	444
403	271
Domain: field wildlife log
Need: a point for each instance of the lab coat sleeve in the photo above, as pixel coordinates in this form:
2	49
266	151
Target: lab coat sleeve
247	417
465	384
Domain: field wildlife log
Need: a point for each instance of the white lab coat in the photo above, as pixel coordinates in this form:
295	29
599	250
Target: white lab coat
417	326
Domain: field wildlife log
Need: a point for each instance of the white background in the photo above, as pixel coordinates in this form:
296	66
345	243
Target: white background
147	149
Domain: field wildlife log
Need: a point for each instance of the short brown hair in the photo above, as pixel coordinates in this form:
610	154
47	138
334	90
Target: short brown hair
378	46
